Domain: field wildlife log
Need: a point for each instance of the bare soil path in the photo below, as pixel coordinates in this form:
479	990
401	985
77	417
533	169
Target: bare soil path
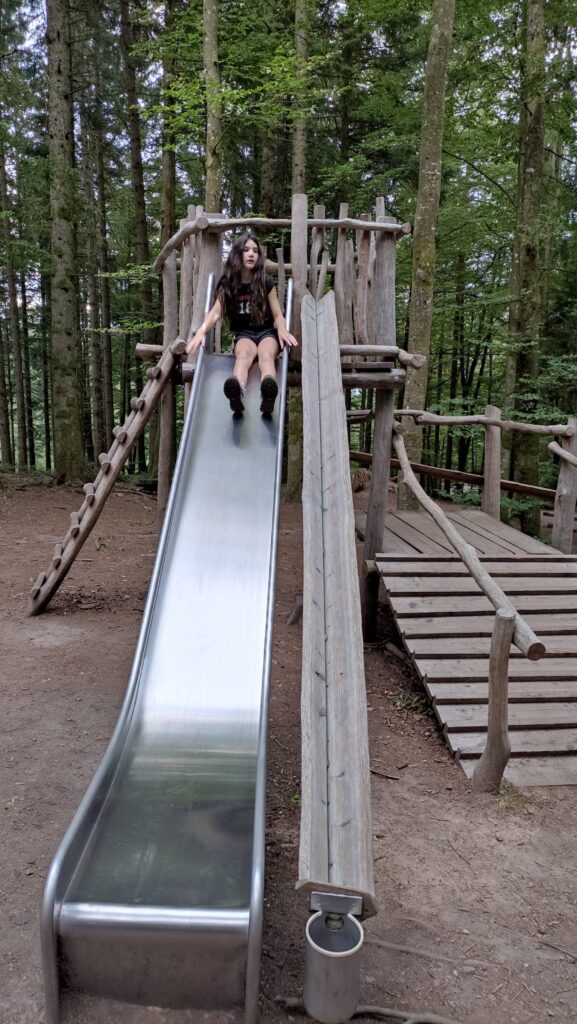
478	895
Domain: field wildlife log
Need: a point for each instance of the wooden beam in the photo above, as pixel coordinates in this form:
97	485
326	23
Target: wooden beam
491	500
524	637
566	495
489	771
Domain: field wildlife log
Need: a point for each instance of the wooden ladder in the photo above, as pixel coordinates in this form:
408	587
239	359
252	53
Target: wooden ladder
111	465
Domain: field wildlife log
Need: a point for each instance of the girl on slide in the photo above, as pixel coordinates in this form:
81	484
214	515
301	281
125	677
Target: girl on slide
247	297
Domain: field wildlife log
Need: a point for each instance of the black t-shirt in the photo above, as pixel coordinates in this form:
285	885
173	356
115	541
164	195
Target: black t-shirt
242	319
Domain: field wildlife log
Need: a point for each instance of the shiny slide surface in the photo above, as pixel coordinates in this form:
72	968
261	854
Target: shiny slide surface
155	895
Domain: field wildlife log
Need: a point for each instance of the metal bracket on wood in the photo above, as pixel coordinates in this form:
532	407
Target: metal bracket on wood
336	903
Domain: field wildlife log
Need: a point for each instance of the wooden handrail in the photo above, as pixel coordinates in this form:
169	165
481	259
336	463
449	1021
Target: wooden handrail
545	493
206	222
420	416
524	638
562	453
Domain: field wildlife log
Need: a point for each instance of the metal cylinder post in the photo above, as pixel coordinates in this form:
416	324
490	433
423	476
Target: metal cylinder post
332	979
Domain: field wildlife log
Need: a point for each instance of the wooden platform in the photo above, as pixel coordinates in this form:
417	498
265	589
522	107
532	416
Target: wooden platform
446	622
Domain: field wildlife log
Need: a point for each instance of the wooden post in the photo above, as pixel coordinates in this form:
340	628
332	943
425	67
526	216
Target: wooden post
343	296
489	771
565	498
299	263
186	284
491	501
281	278
166	453
317	244
362	303
386	334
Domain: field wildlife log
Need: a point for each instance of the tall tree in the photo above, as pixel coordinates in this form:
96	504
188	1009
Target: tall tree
428	196
525	313
213	106
67	405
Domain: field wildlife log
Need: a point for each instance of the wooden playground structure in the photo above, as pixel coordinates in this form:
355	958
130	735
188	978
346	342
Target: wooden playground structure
464	587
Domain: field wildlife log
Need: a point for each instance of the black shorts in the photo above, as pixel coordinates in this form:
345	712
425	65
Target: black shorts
256	336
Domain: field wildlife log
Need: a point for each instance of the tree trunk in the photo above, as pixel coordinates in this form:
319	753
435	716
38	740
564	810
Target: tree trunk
136	171
68	450
13	320
213	106
526	311
6	455
424	244
105	321
46	374
31	447
299	129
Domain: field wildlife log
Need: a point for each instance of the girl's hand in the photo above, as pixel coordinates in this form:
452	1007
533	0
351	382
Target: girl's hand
195	343
286	338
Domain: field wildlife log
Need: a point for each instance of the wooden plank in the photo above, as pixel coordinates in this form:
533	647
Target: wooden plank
523	741
467	585
551	557
519	693
481	625
535	771
473	717
424	522
475	647
486	543
427	543
563	520
430	567
502	530
479	604
487	533
476	669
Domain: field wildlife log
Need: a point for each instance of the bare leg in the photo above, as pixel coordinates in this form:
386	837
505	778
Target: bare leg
267	352
245	352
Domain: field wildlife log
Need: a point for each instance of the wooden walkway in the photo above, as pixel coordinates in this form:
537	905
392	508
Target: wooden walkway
446	622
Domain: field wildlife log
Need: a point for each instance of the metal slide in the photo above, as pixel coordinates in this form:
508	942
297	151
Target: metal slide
155	895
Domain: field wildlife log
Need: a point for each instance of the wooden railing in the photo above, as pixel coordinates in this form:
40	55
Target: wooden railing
565	495
509	627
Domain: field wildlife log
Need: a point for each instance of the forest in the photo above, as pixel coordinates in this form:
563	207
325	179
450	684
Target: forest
119	116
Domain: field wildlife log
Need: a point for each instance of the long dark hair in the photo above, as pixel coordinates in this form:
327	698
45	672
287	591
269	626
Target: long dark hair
230	284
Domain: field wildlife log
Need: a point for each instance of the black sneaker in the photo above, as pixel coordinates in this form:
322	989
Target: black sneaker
234	391
268	391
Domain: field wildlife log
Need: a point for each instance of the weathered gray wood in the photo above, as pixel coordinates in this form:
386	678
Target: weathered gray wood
491	500
114	460
473	717
558	645
472	585
560	429
281	276
378	379
459	605
385	285
524	637
377	504
547	690
476	669
314	854
344	756
343	297
523	741
317	243
167	447
467	626
427	566
186	288
299	258
565	497
322	275
209	223
362	284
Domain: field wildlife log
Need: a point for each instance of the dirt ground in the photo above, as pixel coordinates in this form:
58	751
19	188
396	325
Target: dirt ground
478	895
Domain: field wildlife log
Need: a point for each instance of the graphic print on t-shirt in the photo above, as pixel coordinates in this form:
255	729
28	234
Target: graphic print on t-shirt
242	319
